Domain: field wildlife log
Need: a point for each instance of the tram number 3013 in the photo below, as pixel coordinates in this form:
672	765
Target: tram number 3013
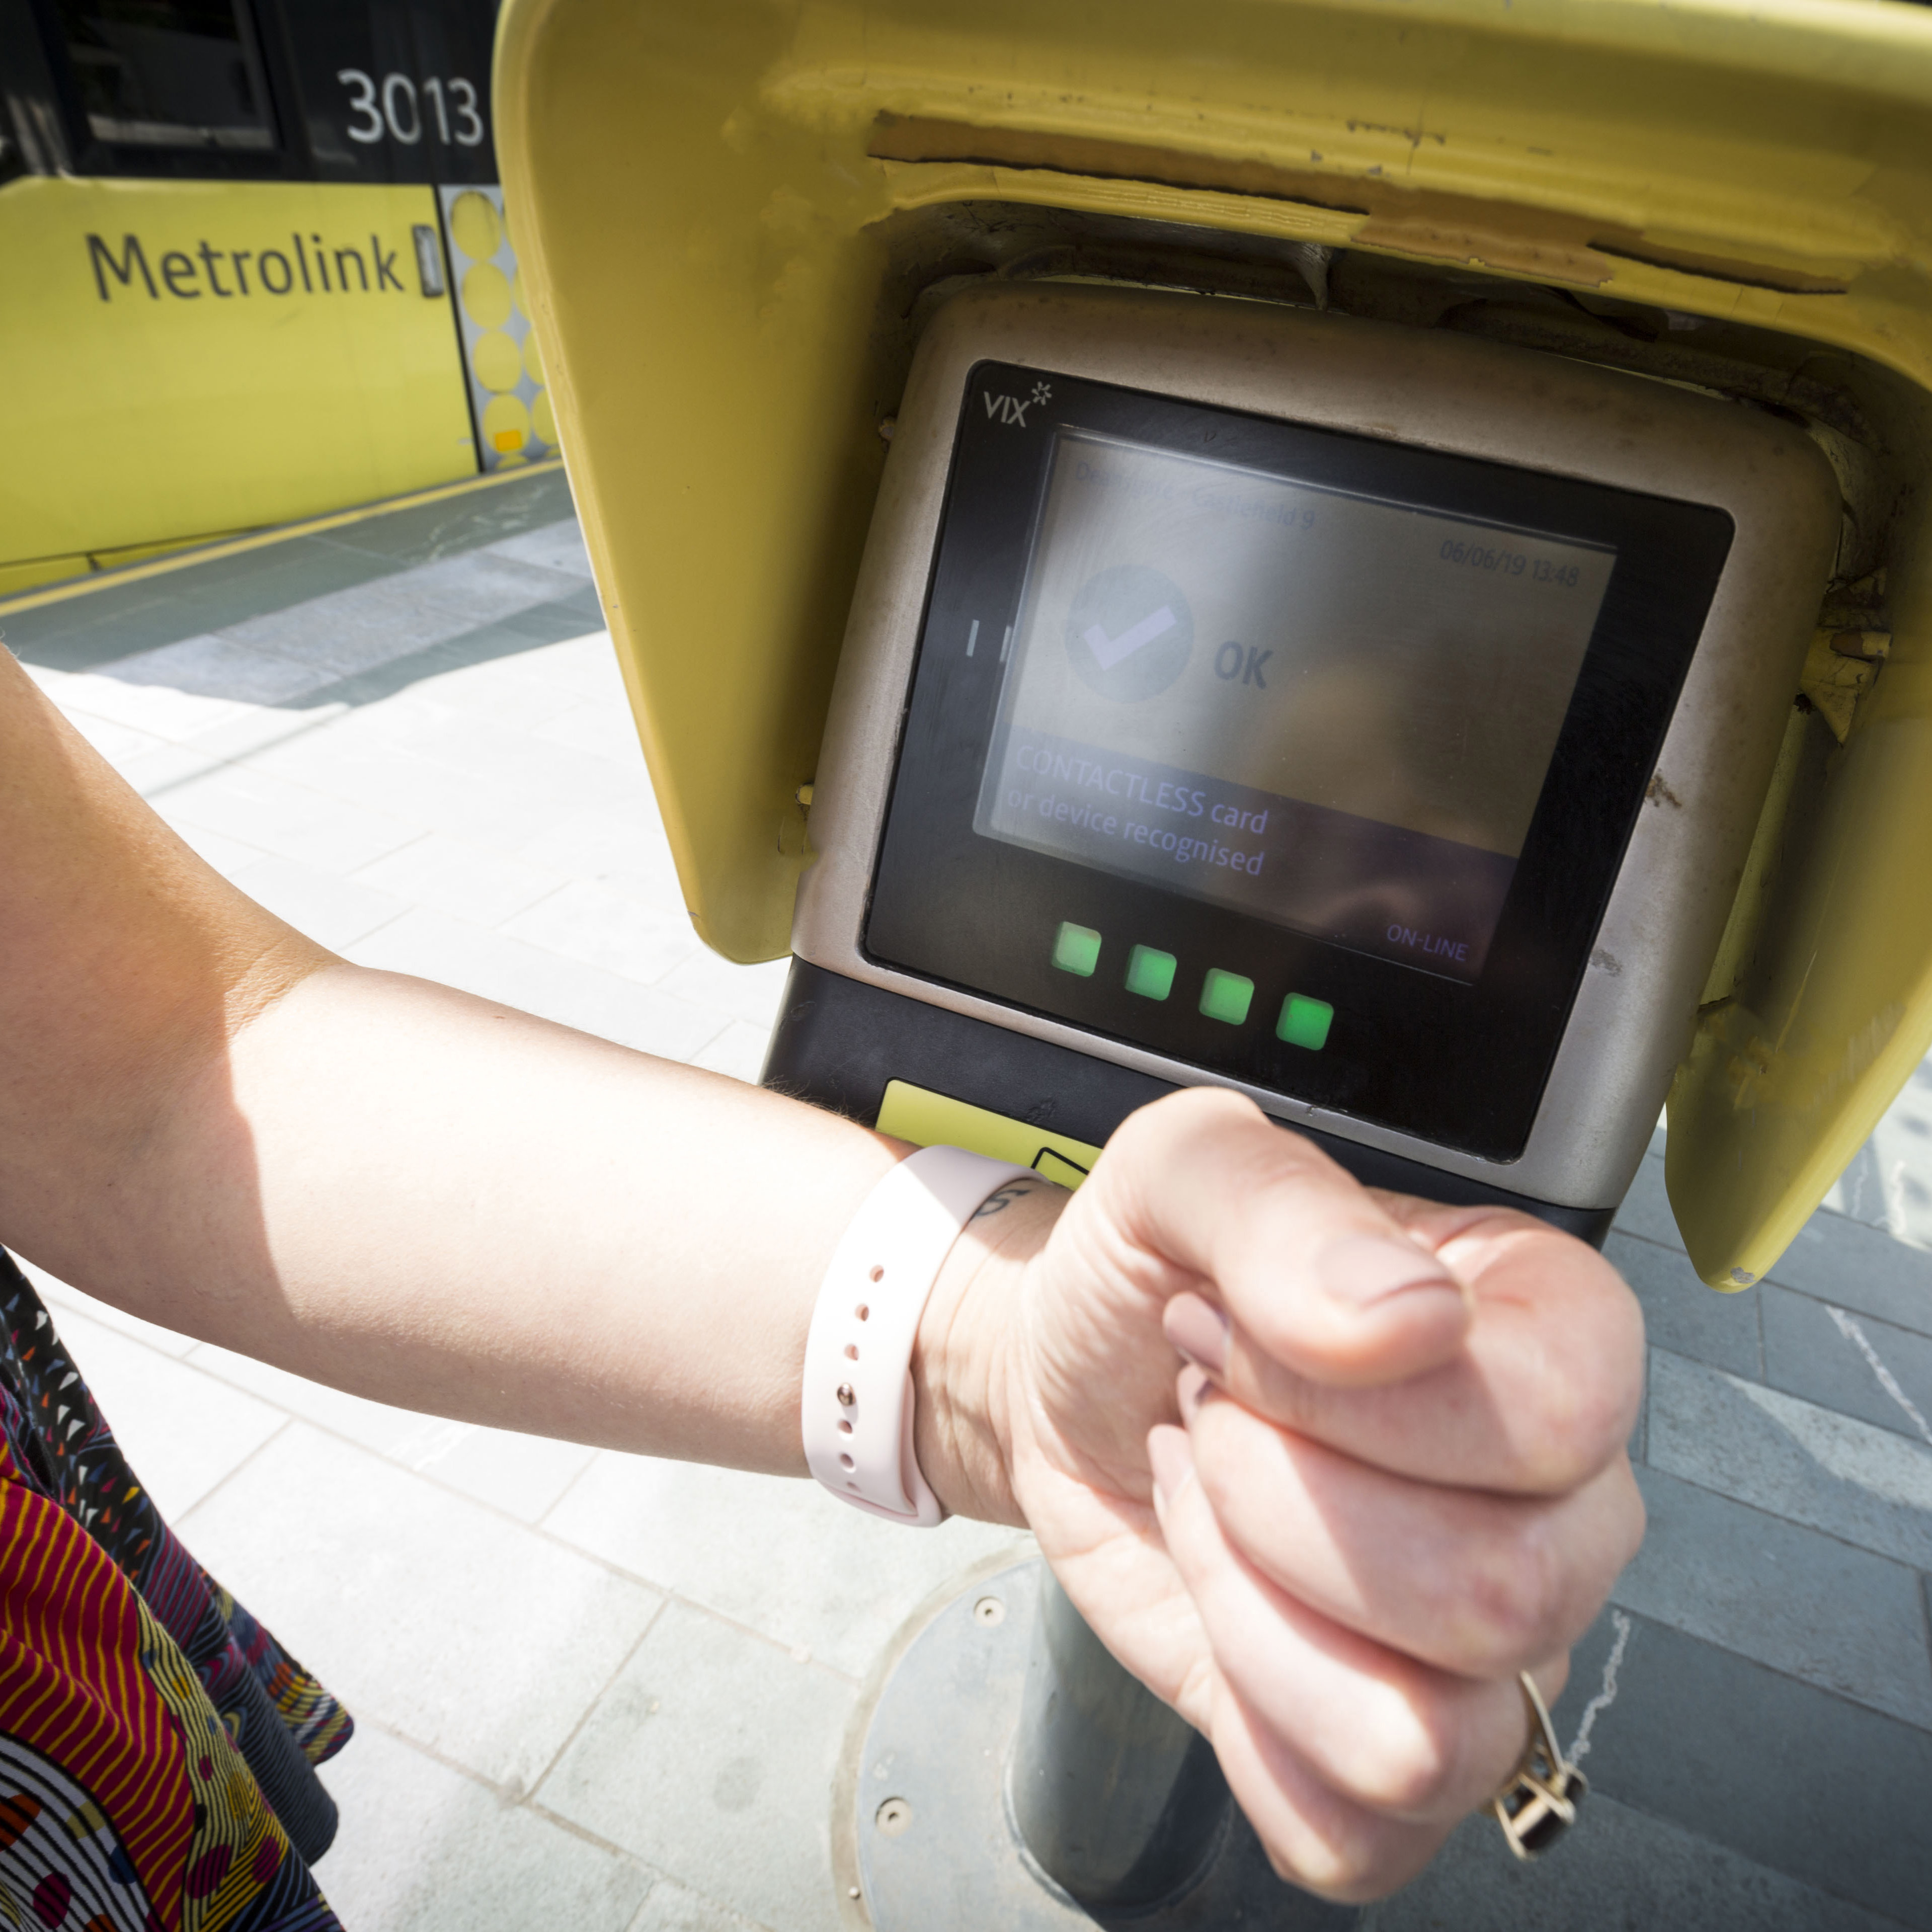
392	108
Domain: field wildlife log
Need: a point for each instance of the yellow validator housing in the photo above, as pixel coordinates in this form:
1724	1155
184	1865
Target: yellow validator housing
737	219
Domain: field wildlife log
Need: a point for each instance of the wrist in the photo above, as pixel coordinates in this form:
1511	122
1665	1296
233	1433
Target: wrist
961	1422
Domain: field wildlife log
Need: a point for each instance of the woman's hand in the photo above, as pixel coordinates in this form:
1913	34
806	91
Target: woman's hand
1394	1477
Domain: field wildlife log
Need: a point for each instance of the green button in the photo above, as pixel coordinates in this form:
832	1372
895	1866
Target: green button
1226	996
1076	949
1304	1022
1149	973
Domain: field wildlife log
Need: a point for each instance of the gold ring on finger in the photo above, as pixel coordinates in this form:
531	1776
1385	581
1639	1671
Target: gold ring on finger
1539	1802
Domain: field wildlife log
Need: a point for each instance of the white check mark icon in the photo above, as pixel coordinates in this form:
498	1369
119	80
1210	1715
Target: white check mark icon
1108	652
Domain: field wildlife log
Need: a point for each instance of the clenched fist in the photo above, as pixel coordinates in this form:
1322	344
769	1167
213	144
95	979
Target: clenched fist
1389	1475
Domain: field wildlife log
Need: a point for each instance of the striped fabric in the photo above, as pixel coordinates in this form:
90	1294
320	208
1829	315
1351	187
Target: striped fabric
157	1746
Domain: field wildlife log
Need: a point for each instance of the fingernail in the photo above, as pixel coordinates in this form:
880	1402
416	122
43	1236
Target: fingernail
1365	1269
1172	1464
1198	1332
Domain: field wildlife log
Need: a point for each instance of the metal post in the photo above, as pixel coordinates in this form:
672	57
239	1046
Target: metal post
1119	1800
1005	1771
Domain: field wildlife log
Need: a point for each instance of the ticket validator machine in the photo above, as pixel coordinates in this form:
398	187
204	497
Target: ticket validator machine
1239	691
1375	557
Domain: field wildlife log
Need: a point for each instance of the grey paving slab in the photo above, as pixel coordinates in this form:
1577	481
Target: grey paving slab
226	855
355	629
332	911
296	821
96	626
1680	1314
525	690
483	644
740	1050
1855	1364
116	743
632	855
712	1758
1791	1459
72	631
257	728
1645	1210
557	546
460	880
425	531
1887	1182
422	1848
1619	1871
563	617
1859	1268
1787	1776
1786	1595
461	1631
522	1476
164	711
465	775
206	665
539	982
587	921
289	567
608	730
1859	1193
752	993
672	1907
225	590
719	1537
349	764
486	586
112	604
155	774
588	664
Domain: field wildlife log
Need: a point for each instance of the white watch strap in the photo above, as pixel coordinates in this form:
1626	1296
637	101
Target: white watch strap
857	1411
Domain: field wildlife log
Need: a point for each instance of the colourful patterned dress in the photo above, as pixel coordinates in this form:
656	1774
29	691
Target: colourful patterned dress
158	1748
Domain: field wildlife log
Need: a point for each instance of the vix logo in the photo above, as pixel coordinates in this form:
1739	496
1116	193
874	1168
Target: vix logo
1010	409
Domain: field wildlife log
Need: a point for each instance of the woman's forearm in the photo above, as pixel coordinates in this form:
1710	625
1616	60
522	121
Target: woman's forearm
438	1202
424	1197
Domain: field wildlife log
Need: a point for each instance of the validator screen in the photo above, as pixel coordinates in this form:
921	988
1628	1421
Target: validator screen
1332	712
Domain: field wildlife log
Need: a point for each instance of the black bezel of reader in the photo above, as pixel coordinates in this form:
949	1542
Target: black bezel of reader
1461	1065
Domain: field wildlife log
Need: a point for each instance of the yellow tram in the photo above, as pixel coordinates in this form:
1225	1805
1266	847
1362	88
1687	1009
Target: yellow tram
253	267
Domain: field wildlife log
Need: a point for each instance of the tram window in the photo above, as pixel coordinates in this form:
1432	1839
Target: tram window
392	92
178	74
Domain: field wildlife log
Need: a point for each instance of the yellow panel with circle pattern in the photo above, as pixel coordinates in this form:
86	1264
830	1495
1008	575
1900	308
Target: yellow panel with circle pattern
514	423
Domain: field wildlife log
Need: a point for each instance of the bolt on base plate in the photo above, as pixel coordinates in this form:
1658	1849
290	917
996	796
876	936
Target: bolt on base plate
926	1795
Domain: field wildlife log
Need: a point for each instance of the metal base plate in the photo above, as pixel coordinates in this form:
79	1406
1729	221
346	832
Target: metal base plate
924	1793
